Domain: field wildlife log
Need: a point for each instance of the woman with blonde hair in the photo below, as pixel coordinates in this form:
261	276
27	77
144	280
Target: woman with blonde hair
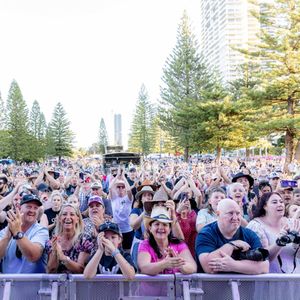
69	248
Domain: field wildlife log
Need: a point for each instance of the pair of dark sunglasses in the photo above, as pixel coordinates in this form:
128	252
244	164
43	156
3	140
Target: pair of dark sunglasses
18	253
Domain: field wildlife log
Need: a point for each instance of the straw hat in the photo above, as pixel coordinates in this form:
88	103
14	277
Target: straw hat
145	189
160	214
159	196
146	182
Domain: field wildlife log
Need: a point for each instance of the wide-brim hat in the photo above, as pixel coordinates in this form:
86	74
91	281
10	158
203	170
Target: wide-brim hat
147	182
158	213
145	189
159	196
240	175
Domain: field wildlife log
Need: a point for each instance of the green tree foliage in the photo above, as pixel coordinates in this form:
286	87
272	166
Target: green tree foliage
37	127
142	134
2	114
59	135
218	124
185	80
17	124
103	137
4	136
279	54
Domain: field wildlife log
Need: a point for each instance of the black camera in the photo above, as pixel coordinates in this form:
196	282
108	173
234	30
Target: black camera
291	237
259	254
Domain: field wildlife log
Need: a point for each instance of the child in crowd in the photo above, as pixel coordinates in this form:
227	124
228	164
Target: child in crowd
109	257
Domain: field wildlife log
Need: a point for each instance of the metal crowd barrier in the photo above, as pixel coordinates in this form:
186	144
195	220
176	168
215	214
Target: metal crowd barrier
161	287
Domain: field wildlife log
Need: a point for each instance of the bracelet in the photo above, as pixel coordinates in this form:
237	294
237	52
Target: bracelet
234	245
115	252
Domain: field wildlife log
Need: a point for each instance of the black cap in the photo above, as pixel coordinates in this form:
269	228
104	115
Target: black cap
43	187
109	226
31	198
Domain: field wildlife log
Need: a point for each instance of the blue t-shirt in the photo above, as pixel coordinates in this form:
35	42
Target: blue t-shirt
12	264
139	232
210	239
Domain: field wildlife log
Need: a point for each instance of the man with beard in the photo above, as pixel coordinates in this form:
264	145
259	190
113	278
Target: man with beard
22	242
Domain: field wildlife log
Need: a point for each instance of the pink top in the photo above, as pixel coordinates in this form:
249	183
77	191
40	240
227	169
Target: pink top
178	248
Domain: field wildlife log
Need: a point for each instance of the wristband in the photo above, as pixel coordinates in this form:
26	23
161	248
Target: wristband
115	252
234	245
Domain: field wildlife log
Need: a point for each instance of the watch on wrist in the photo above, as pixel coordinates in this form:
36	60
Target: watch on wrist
19	235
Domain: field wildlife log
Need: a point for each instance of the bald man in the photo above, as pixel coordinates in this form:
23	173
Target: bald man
219	243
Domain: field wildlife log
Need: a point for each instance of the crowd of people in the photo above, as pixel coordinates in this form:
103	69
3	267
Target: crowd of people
163	217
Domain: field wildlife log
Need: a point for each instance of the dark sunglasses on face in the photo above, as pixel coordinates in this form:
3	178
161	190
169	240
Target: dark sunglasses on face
1	182
120	187
95	189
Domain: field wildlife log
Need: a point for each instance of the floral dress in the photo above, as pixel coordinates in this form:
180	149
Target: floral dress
84	243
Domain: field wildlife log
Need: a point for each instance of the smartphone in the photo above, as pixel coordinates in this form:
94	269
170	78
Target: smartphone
288	183
81	176
183	196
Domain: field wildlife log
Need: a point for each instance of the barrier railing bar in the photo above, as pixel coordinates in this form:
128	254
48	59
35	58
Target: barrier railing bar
186	290
235	290
7	290
54	291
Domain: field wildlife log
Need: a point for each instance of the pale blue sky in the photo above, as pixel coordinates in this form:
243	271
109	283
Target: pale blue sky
91	55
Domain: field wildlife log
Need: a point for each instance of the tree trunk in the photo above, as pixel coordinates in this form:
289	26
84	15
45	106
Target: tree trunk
186	154
219	152
289	137
247	152
289	149
297	151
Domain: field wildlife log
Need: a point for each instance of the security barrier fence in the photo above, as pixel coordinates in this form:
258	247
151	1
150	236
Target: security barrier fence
163	287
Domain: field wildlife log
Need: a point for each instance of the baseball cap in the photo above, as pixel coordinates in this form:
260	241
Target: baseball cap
43	187
274	175
96	185
109	226
30	198
96	199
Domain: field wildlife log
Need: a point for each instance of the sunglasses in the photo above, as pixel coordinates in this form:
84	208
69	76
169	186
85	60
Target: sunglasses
120	187
18	253
1	182
95	189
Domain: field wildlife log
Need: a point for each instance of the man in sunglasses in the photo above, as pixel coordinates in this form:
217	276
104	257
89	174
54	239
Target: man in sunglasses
22	242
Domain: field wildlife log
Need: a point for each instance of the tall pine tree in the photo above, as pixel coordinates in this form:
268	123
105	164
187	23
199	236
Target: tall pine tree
141	137
103	137
185	80
279	54
37	127
17	124
59	134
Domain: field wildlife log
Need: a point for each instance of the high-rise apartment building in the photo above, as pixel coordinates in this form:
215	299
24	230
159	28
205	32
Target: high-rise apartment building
225	25
118	129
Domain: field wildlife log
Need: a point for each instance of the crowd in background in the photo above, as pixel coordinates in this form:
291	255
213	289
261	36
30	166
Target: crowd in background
162	217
